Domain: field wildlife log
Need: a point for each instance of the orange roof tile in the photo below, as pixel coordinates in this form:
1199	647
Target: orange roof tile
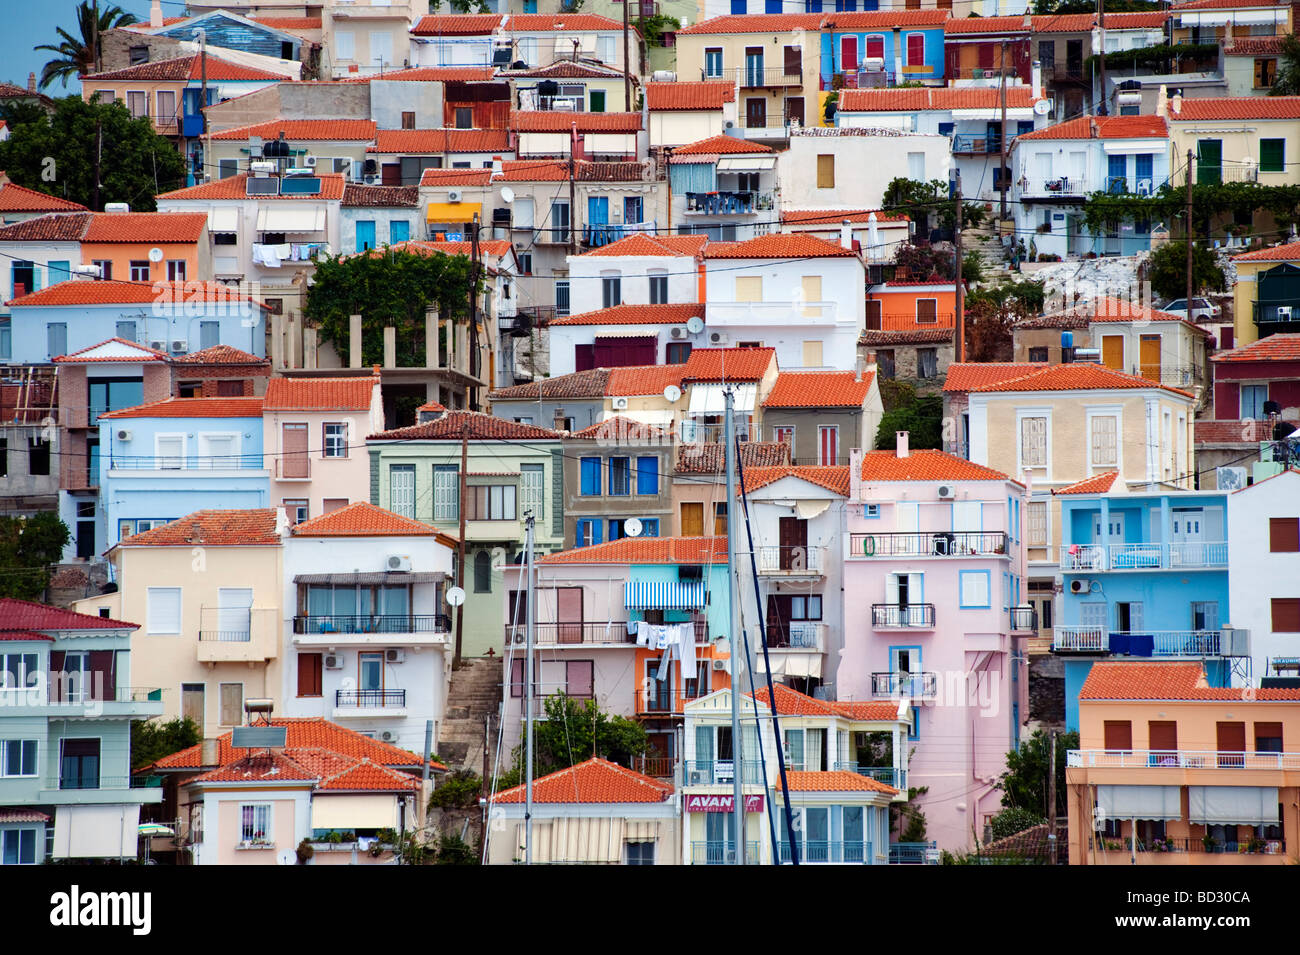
757	23
622	430
363	775
924	465
304	733
326	130
1097	484
790	702
547	22
51	227
1136	20
27	616
778	245
16	198
594	781
233	187
188	68
193	408
432	74
455	177
635	315
258	768
711	458
836	216
642	244
966	376
1074	377
1064	23
833	781
1233	432
567	70
320	394
819	389
1222	5
119	292
1272	348
289	23
579	384
457	24
480	427
720	146
550	170
911	100
416	141
251	527
221	355
883	19
633	380
1104	127
362	519
1237	107
146	227
1254	46
728	364
360	196
550	121
1173	681
645	550
832	477
966	25
876	710
138	353
702	95
1287	252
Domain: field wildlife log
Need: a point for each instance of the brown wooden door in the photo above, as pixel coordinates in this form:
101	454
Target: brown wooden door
755	113
1231	743
794	110
778	620
391	174
794	543
1112	351
568	614
692	519
1118	736
1162	740
293	461
1149	357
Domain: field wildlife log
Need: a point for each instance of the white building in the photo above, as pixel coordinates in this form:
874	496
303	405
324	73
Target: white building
828	167
724	187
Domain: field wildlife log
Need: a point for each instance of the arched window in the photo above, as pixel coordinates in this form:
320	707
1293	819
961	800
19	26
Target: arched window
482	572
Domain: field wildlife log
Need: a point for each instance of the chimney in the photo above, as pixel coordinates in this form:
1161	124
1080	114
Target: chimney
900	444
1037	76
210	752
1176	103
1092	127
846	235
31	82
1162	101
855	474
155	14
558	418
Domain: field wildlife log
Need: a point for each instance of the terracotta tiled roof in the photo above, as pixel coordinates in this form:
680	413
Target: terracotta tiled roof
1242	433
969	375
703	95
14	91
1136	20
757	23
258	768
924	465
58	227
1238	107
135	353
319	394
565	69
883	19
373	197
635	315
580	384
363	775
834	781
321	130
550	170
819	389
362	519
1272	348
479	426
309	732
1097	484
221	355
1073	377
1254	46
1168	681
431	406
633	380
1064	23
621	430
133	293
16	198
547	22
289	23
550	121
868	709
138	227
728	364
1222	5
1287	252
778	245
790	702
193	408
640	243
720	146
455	177
457	24
1104	127
911	100
711	458
910	336
433	74
1105	310
594	781
22	815
417	141
974	25
253	527
27	617
832	477
836	216
188	68
233	187
646	550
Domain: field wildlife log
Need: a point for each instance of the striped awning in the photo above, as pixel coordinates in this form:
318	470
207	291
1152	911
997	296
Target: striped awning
675	595
574	841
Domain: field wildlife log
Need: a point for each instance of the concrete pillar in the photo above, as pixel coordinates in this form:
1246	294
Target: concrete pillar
293	342
431	338
354	341
309	348
390	346
277	342
449	337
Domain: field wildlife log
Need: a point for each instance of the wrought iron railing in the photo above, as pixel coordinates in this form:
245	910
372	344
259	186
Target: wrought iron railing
370	698
791	560
902	616
913	853
717	852
603	632
1144	643
888	775
833	850
929	544
704	772
1180	759
728	203
896	685
801	634
1180	555
1023	619
372	623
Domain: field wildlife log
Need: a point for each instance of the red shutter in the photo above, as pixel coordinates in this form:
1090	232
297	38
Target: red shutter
294	462
1284	534
915	49
57	658
1118	735
849	53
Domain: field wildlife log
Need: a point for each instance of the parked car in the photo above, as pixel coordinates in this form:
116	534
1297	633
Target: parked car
1202	309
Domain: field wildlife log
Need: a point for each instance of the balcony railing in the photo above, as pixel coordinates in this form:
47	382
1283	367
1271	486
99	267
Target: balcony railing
1178	376
691	431
1270	847
596	236
1146	643
728	203
1023	619
606	632
709	772
913	853
96	781
720	853
372	623
660	767
913	686
659	699
1057	186
881	774
902	616
1180	759
227	636
755	77
65	689
1130	185
859	79
975	144
1180	555
293	467
797	634
835	850
370	698
791	560
1207	174
929	544
185	462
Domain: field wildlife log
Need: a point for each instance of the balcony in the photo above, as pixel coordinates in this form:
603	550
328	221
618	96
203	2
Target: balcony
757	77
1180	555
894	685
796	635
382	629
363	703
70	696
1186	847
858	79
1061	187
1130	185
783	314
717	772
1181	759
602	633
902	616
1212	175
791	561
833	851
929	544
238	636
660	767
720	853
185	462
596	236
975	144
71	788
728	203
692	432
1023	620
1147	643
657	698
888	775
479	530
913	853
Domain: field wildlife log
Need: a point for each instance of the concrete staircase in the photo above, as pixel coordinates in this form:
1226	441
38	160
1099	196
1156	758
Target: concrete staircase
475	695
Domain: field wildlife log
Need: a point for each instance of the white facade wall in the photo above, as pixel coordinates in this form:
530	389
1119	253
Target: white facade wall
864	167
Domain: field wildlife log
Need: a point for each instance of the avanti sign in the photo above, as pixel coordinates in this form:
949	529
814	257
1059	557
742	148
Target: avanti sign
719	803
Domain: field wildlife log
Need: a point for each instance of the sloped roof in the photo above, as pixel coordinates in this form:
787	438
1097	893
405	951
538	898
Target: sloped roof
112	227
778	245
905	336
1273	348
478	426
114	350
924	465
1242	433
1104	127
455	177
756	23
594	781
1237	107
633	380
120	292
819	389
552	121
645	550
579	384
27	617
320	394
728	364
362	519
620	429
188	68
1074	377
834	781
559	22
220	355
56	227
307	732
356	195
720	146
969	375
251	527
192	408
1097	484
326	130
707	94
883	19
635	315
16	198
832	477
790	702
975	25
911	100
332	185
1172	681
836	216
711	458
457	24
643	244
419	141
1287	252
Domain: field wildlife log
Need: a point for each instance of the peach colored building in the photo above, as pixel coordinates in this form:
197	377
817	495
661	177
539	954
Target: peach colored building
1202	774
123	244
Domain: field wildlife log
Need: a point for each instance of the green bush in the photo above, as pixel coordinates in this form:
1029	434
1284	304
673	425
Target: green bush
1010	821
452	850
460	790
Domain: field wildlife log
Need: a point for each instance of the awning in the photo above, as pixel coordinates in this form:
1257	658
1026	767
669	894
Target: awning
223	219
790	664
746	163
354	812
709	399
1140	802
377	577
670	595
96	832
284	217
660	417
1133	147
807	510
640	830
575	840
995	113
1232	805
453	211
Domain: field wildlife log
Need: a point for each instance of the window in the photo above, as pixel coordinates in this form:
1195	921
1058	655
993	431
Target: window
310	674
677	353
56	339
1033	442
1038	354
589	484
1252	398
446	493
620	476
18	847
79	764
336	440
1268	738
137	101
232	704
825	171
562	295
720	519
647	475
974	588
532	490
1272	155
483	572
658	288
19	670
255	823
579	678
401	489
885	363
587	531
525	263
927	362
640	853
1265	73
749	288
1283	534
713	62
1286	614
140	270
163	610
18	757
560	222
1036	512
1103	439
296	509
38	456
495	502
927	311
611	291
345	45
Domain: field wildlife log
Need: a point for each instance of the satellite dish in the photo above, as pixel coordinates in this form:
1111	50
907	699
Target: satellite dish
456	596
695	324
672	394
155	255
1042	107
632	527
507	195
286	857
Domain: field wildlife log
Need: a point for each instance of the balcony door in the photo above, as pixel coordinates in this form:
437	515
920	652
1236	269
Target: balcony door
293	446
692	519
794	543
849	54
1186	536
1231	743
1149	357
755	113
233	617
568	614
79	764
370	675
753	66
906	592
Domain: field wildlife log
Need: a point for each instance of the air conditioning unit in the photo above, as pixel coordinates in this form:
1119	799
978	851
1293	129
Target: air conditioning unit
521	637
717	338
388	736
311	162
394	656
158	346
398	562
1080	586
619	404
1230	478
372	180
124	435
945	491
677	331
1284	313
334	661
179	345
719	664
696	777
453	195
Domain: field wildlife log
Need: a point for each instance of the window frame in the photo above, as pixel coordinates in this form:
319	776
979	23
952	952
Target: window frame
248	829
1023	414
962	577
23	747
336	445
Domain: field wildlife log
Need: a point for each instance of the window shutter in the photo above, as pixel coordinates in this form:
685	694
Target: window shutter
164	610
1033	442
1283	534
401	490
1104	441
1037	523
580	678
1286	615
446	494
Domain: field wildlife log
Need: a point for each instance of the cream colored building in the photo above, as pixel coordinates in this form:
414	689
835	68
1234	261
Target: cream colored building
367	36
1237	139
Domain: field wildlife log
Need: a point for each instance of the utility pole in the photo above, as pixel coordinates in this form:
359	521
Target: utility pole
474	360
1101	59
98	60
99	152
1002	142
1051	799
1189	230
460	547
573	208
961	289
529	612
627	74
733	607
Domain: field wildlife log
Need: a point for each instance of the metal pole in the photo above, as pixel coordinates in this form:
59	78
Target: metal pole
1002	141
528	695
1051	799
1188	231
733	609
460	506
961	289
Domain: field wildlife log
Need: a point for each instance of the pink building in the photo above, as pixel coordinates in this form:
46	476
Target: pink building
934	575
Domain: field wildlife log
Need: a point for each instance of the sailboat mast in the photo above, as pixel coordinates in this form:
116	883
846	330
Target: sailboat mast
733	607
529	612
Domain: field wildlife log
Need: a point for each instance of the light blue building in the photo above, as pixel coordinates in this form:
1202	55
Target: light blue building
872	49
1145	575
376	216
163	460
66	705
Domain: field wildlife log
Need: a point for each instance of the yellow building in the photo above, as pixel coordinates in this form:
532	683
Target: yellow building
1214	21
1267	290
1236	139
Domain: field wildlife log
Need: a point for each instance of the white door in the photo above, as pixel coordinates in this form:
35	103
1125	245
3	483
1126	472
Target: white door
1186	547
1114	527
967	516
218	451
233	604
1078	167
1092	618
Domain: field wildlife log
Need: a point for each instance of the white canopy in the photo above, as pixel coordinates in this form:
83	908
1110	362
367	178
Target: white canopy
96	832
1140	802
288	217
223	218
745	163
709	398
366	811
1232	805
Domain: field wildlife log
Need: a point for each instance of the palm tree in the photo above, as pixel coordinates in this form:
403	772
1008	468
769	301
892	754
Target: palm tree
77	55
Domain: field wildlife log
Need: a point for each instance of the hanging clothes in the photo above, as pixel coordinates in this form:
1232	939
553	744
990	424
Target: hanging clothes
686	646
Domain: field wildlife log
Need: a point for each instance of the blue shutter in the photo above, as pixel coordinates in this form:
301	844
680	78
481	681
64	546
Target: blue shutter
738	8
1144	164
365	234
60	271
1117	174
590	476
399	230
647	475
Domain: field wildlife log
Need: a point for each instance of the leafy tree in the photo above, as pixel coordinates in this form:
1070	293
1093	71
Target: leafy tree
459	790
654	27
925	262
574	731
152	740
78	54
453	850
972	267
922	417
991	313
28	546
1024	784
1287	82
895	393
1010	821
394	288
1168	270
929	204
909	819
56	154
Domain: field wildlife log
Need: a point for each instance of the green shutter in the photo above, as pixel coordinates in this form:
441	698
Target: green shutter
1272	155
